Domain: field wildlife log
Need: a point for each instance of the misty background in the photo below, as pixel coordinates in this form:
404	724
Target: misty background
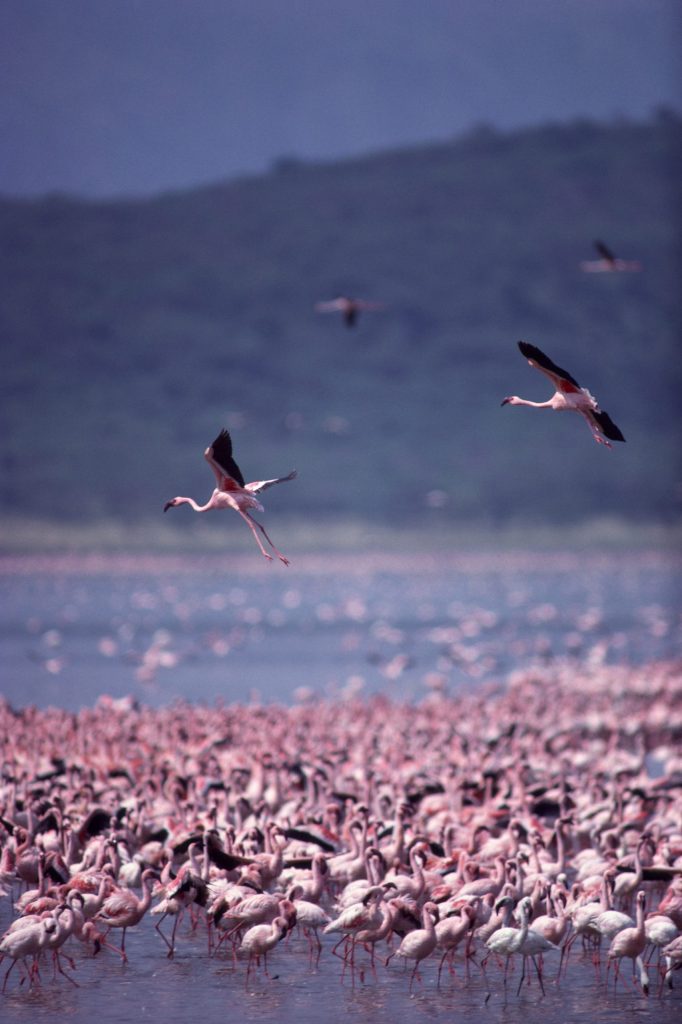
181	183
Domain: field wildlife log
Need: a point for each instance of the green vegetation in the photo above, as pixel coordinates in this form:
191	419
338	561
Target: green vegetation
132	331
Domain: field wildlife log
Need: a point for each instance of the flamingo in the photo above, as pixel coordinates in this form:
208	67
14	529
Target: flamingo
608	262
349	308
123	909
509	940
568	396
309	917
25	942
259	940
419	944
365	914
450	931
673	958
631	942
233	492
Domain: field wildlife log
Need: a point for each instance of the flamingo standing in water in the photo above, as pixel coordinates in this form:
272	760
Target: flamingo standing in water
123	909
233	492
419	944
349	308
631	942
608	262
260	939
568	396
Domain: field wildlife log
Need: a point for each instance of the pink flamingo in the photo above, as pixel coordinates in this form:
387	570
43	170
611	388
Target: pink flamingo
450	931
232	492
27	942
608	262
123	909
260	939
631	942
419	944
568	396
349	308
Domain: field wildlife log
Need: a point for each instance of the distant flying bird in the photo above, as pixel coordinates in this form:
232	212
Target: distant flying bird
232	492
348	307
608	262
569	395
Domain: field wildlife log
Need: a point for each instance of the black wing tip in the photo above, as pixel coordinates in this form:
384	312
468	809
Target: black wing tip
529	351
603	250
223	438
608	427
534	353
222	453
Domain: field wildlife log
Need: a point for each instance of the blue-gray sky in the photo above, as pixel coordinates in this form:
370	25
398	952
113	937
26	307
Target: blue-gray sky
104	97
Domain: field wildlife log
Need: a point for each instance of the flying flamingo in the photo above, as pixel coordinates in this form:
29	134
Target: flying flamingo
569	396
232	492
608	262
349	308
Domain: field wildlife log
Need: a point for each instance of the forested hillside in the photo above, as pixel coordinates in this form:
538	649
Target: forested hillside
133	331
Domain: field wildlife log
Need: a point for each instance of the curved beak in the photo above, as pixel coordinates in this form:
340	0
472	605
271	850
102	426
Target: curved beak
505	400
169	504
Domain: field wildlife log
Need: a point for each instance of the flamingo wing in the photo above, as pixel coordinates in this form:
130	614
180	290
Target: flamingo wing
332	306
604	251
119	904
562	380
219	457
256	486
606	425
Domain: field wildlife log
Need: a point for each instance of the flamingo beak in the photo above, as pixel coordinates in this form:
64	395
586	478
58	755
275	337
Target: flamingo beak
169	504
505	401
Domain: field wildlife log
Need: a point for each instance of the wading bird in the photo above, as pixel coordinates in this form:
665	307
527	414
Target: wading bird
232	492
349	308
569	395
608	262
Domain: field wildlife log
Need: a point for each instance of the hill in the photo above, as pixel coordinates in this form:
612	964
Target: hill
132	331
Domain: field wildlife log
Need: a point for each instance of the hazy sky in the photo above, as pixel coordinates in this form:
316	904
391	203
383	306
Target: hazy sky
103	97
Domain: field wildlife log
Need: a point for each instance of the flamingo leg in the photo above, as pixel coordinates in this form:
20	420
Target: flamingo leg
11	967
440	966
539	974
250	523
171	949
260	526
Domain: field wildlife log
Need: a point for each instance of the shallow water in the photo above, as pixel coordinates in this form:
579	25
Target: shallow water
194	987
233	630
164	629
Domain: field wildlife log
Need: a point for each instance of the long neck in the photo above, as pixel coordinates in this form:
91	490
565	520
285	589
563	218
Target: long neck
143	904
192	502
640	917
427	921
533	405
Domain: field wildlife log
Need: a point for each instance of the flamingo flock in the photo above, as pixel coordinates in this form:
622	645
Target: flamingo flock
519	832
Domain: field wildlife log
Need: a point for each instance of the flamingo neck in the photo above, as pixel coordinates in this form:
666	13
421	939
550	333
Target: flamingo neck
195	506
533	405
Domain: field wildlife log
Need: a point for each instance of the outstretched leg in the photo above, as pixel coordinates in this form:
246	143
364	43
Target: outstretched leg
250	523
595	431
279	554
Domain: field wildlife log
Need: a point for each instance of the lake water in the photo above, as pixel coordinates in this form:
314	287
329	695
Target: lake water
233	630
